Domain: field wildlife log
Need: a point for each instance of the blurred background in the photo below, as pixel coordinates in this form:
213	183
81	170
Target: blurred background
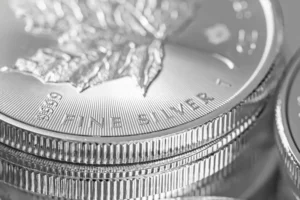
291	11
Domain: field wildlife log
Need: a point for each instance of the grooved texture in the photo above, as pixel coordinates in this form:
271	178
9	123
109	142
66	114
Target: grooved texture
290	162
140	150
152	181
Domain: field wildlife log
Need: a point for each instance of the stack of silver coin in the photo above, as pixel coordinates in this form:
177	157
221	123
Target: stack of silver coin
138	99
287	131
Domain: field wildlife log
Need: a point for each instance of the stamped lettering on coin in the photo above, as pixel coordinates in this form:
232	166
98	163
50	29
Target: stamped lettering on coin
241	8
247	41
218	34
100	40
48	106
174	112
137	68
92	122
223	83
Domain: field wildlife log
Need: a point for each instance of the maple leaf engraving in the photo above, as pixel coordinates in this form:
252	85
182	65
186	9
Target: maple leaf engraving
100	40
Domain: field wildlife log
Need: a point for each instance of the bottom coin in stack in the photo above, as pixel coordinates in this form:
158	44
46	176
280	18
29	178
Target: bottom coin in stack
153	180
260	182
253	173
49	178
209	166
287	131
252	183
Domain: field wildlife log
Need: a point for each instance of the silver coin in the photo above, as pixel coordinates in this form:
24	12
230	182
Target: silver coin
256	181
9	193
287	123
157	70
235	180
152	180
251	175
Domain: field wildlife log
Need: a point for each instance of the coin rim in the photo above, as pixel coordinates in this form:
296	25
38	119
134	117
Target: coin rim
288	149
39	176
218	128
35	149
272	49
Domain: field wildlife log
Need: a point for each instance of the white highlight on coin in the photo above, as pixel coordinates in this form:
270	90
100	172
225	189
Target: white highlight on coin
247	42
218	34
298	99
224	60
241	8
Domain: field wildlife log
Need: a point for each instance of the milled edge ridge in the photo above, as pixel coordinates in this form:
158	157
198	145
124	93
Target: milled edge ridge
138	151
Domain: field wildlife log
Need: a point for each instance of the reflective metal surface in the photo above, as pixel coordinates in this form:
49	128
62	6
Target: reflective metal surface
240	183
156	178
203	169
194	75
252	175
287	120
138	99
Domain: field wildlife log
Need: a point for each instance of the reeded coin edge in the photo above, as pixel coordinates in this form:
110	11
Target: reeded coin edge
286	148
24	172
290	154
143	150
60	186
233	174
274	30
269	84
137	170
291	164
189	156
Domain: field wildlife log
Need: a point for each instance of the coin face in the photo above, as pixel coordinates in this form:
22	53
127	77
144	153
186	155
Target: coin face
288	109
287	120
293	107
148	69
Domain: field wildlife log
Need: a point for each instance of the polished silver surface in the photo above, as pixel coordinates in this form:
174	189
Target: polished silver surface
287	120
9	193
117	99
264	169
153	180
249	177
39	183
137	99
101	41
193	74
252	175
